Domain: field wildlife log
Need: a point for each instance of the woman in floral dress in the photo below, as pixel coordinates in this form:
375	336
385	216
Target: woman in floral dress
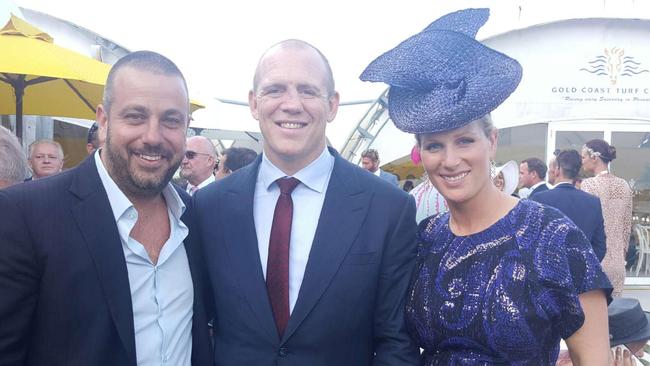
616	200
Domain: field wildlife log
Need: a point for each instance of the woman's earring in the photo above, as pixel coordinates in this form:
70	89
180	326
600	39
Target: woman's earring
493	169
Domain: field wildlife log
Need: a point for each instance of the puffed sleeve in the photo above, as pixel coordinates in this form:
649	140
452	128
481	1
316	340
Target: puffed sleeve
565	266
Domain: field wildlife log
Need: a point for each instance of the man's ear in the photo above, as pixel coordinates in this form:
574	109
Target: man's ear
252	104
333	102
101	117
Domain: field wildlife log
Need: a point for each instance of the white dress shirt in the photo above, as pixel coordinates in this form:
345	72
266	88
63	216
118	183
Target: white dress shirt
162	294
201	185
557	184
308	198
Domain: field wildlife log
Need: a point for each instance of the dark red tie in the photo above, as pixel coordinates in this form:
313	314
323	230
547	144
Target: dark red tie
277	268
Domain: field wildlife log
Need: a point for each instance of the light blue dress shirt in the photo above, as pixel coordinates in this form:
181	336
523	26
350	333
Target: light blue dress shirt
162	294
308	198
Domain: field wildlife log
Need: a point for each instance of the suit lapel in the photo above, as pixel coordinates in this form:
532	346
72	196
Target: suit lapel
197	274
344	210
96	222
241	242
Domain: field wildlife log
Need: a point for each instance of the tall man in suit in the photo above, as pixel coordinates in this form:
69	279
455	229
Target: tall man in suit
581	207
316	275
370	162
97	266
532	172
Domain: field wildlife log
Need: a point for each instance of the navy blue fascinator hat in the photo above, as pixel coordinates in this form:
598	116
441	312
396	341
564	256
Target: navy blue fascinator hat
442	78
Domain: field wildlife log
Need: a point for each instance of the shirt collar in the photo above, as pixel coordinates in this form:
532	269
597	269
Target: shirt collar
537	185
314	176
120	203
209	180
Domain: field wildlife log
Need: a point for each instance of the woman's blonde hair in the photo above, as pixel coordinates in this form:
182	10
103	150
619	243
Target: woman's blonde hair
486	125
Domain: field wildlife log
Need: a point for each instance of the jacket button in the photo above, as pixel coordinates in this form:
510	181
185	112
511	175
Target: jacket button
283	352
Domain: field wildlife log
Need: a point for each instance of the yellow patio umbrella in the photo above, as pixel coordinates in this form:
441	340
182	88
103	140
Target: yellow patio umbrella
404	168
38	77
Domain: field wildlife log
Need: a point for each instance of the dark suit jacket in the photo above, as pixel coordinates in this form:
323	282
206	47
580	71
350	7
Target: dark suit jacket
64	287
539	189
350	309
582	208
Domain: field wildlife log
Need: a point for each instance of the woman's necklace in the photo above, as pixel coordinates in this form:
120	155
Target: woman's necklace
603	172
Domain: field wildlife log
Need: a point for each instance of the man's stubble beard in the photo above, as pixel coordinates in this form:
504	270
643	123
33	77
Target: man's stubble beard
128	180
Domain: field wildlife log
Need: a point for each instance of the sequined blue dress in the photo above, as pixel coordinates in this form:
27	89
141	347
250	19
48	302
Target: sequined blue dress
505	295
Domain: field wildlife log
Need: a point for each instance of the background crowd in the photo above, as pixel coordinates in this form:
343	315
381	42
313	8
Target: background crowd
327	257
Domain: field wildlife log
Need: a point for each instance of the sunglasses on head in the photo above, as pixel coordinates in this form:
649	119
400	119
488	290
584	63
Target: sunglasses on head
189	154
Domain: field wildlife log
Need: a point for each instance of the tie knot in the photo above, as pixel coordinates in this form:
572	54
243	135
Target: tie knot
287	184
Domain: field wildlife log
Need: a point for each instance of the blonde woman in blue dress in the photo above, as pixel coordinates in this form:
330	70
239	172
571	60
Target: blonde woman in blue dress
498	280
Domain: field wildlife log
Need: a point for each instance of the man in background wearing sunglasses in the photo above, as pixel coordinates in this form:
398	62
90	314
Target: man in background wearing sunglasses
198	164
